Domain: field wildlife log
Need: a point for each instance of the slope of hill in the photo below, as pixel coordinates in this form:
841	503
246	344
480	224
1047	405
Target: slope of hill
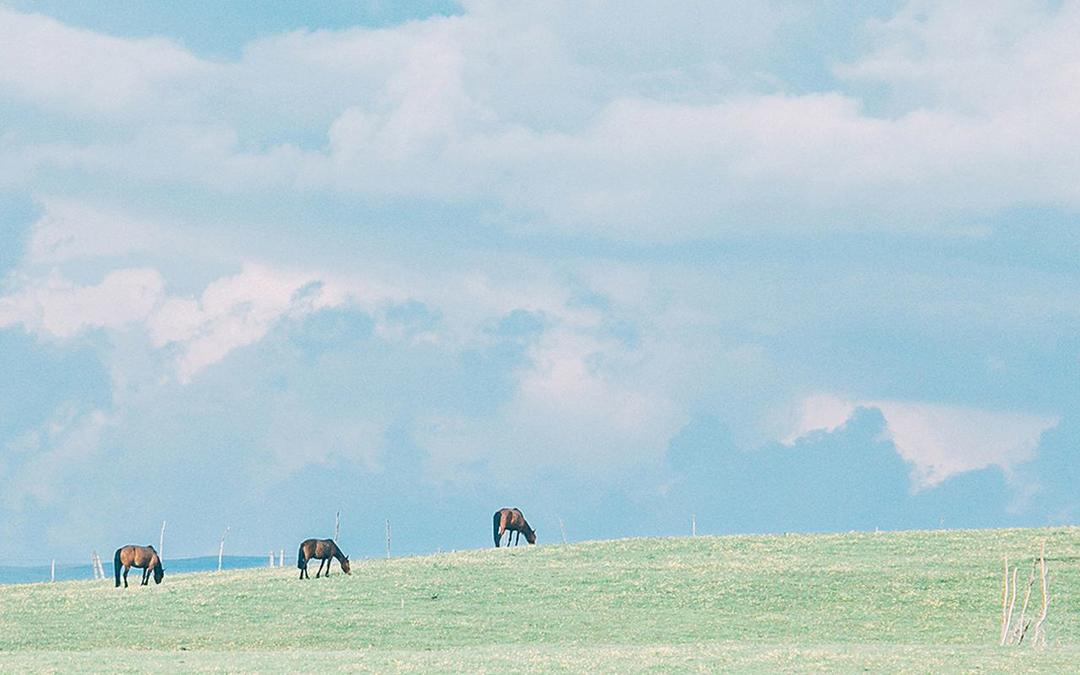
905	600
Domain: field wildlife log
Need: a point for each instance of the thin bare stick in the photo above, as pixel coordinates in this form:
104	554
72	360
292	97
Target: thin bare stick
221	549
1012	603
1040	634
1022	625
1005	604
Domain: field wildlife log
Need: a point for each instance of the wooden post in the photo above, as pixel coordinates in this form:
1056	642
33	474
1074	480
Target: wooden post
52	574
562	529
337	525
281	558
95	561
1005	604
387	537
693	525
1040	634
161	543
271	558
221	549
1022	625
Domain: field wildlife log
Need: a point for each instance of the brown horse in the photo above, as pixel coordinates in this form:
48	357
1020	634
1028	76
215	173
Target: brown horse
512	520
323	549
138	556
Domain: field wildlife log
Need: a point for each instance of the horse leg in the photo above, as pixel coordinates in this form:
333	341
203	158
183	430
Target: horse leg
146	575
303	570
127	568
319	572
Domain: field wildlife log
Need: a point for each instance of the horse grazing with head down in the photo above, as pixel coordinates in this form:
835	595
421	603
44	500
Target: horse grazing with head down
144	557
511	520
323	549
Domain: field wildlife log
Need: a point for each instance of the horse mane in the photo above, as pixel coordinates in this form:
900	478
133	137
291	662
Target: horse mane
337	550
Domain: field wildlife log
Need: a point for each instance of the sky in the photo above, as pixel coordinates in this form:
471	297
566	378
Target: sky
779	266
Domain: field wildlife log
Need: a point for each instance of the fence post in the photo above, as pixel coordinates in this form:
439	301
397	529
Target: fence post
281	558
221	549
337	525
562	528
693	525
387	537
52	573
161	543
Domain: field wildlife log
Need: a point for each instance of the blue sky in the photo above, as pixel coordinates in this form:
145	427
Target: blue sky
785	267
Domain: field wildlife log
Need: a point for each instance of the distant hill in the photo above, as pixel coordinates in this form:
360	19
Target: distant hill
14	574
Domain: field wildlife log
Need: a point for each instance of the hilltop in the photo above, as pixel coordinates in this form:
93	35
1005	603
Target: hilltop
891	600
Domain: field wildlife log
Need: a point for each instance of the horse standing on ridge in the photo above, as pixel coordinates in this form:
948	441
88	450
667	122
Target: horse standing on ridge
513	521
323	549
138	556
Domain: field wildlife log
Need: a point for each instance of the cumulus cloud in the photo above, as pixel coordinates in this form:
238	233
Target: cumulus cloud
939	439
71	230
232	311
62	309
243	234
415	111
568	412
47	62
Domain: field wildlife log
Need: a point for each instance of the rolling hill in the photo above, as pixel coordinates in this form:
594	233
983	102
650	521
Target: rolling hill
919	600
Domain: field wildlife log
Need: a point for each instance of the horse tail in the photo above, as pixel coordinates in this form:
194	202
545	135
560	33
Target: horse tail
495	527
300	557
116	566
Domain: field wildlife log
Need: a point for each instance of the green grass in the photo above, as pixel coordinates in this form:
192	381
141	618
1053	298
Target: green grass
921	601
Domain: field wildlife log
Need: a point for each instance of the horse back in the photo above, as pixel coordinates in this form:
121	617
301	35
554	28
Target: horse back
137	556
517	519
510	519
318	548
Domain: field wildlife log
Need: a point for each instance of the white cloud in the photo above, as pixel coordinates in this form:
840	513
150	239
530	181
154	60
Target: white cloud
416	111
234	312
48	62
70	230
57	307
570	411
231	312
940	439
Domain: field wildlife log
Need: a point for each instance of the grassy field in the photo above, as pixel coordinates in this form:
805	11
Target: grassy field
918	601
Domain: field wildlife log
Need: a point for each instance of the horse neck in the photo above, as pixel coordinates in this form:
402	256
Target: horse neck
335	551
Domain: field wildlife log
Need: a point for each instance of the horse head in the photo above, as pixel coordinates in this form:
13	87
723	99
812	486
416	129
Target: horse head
345	564
159	573
530	536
